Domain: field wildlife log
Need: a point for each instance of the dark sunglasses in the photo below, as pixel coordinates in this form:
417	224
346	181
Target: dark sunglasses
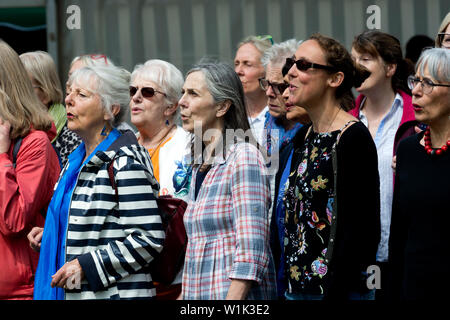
278	88
302	65
147	92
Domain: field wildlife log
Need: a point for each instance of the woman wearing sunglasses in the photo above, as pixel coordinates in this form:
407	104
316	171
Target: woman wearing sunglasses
103	225
419	243
384	106
332	226
154	91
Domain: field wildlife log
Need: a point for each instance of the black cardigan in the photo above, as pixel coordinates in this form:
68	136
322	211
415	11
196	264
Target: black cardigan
358	210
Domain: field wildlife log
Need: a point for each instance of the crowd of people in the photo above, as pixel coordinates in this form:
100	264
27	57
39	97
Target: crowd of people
294	188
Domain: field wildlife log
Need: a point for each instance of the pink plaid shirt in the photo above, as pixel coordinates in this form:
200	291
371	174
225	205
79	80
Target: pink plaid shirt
228	229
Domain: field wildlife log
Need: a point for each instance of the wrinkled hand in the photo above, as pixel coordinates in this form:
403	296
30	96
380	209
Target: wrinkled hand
35	238
5	140
69	276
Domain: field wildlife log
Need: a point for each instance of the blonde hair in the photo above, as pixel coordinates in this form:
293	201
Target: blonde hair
442	28
42	68
28	111
262	44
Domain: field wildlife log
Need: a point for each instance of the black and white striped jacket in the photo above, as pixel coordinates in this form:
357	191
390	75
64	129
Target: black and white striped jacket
114	241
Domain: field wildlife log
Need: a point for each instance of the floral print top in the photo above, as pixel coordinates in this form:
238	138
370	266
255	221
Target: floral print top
309	198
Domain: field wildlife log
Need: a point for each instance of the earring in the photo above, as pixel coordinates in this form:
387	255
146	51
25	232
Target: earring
103	133
167	122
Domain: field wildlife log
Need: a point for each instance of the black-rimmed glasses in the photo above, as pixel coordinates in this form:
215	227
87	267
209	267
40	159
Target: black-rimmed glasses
303	65
444	39
278	88
426	84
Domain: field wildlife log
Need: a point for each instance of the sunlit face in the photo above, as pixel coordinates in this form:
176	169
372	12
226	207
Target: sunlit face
293	112
247	64
308	87
148	111
380	73
277	106
197	104
432	107
85	114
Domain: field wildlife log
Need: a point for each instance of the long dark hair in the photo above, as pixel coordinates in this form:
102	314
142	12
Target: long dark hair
386	46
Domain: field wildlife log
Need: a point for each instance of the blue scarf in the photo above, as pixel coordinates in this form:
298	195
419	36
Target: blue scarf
53	245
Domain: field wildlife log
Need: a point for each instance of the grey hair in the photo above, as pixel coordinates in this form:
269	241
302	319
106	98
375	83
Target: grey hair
164	74
260	44
224	84
437	62
111	83
277	54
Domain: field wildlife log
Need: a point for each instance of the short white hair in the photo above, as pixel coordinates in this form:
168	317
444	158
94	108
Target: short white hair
111	83
277	54
437	62
164	74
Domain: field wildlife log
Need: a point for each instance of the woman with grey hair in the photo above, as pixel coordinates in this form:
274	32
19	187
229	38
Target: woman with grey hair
103	226
418	243
155	88
228	254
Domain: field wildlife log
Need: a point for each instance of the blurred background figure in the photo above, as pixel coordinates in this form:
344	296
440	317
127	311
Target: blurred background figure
420	219
155	89
384	106
97	242
228	254
443	37
47	86
414	48
247	64
26	182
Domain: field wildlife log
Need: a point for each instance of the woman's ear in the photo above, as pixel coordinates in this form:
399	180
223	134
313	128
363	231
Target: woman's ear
115	109
336	79
222	108
390	69
171	109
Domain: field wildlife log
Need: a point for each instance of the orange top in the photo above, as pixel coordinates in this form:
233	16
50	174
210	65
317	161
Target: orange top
154	156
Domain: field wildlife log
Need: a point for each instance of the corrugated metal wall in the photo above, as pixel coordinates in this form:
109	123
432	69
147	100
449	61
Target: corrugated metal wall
183	31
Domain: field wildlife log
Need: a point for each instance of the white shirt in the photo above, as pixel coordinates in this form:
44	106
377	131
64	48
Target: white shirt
384	141
257	125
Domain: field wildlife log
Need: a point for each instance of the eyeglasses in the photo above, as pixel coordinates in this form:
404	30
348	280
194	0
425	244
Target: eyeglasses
426	84
303	65
278	88
444	39
147	92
